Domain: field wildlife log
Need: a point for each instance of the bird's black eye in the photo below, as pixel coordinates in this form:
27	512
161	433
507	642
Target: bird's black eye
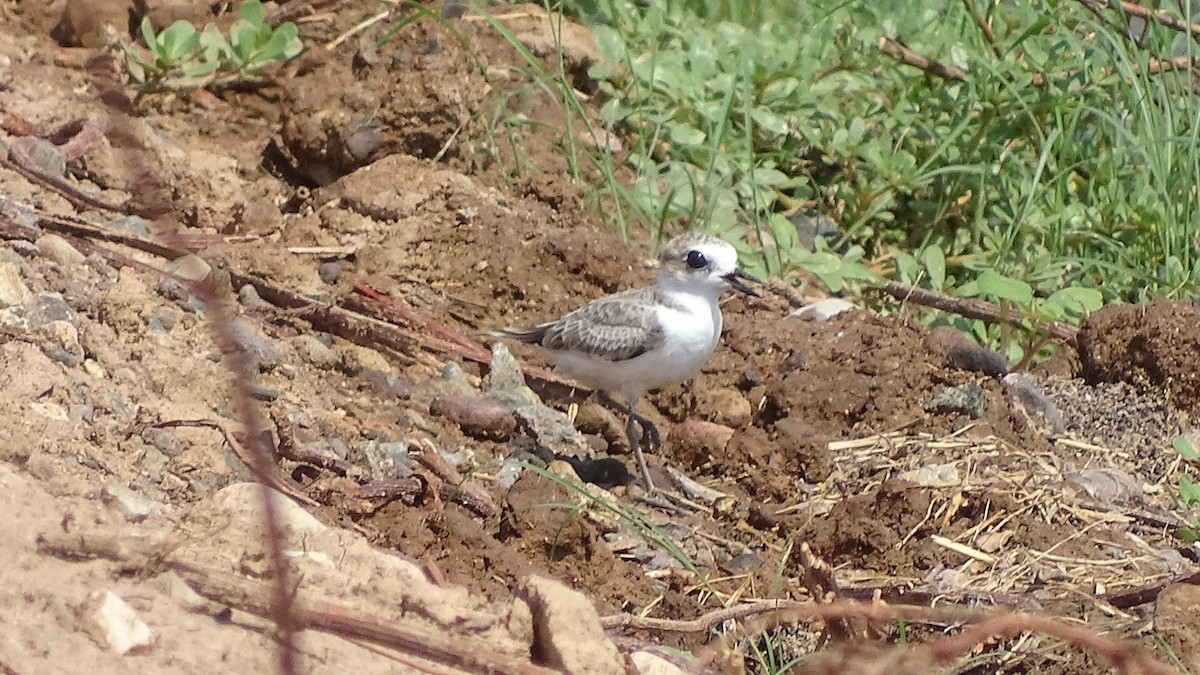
696	260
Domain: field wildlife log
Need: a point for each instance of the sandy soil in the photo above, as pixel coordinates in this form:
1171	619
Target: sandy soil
355	218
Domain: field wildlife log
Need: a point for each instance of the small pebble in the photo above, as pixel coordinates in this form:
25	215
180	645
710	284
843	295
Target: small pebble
249	297
313	351
123	629
47	158
330	271
387	460
823	310
48	307
59	250
164	441
248	338
967	398
13	290
133	224
190	267
977	359
262	392
133	506
475	415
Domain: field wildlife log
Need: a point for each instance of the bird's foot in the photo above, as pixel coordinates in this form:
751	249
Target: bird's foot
650	436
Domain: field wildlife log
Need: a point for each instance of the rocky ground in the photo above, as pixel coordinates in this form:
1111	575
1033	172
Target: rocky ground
354	235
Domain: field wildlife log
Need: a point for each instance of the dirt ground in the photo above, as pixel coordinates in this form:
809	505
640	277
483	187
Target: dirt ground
366	232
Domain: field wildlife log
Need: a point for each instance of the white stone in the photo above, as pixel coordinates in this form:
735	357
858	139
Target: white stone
123	628
13	290
823	310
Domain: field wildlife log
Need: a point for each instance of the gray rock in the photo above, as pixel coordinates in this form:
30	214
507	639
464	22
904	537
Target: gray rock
262	392
252	341
249	297
153	464
190	267
338	447
133	224
552	430
330	271
19	215
313	351
13	291
48	307
164	441
507	382
59	340
967	398
133	506
167	318
59	250
455	380
387	460
47	158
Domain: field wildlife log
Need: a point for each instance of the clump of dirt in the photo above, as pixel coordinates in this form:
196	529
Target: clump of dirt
806	383
1151	345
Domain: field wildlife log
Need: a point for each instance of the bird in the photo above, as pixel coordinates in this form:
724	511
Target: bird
635	341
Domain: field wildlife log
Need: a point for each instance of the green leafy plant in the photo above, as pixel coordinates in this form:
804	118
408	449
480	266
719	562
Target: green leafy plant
1187	492
1051	147
182	57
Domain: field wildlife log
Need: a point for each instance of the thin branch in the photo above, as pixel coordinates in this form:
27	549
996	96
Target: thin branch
972	308
984	27
899	52
155	207
1159	16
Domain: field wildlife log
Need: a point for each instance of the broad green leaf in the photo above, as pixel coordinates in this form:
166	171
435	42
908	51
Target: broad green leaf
178	40
148	34
1185	450
610	44
251	12
1077	300
935	266
907	268
1005	288
685	134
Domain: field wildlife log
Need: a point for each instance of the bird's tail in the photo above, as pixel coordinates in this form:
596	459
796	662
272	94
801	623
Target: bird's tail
530	335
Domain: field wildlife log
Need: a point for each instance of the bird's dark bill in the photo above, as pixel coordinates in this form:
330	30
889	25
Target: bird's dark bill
734	279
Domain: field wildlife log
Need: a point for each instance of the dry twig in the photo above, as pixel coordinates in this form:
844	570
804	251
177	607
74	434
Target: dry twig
156	208
973	308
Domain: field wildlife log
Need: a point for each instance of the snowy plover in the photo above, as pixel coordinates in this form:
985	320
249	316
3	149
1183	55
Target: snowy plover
643	339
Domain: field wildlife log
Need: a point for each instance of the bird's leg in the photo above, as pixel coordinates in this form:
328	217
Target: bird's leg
650	431
631	431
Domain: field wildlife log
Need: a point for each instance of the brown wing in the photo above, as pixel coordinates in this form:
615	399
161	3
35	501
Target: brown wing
616	327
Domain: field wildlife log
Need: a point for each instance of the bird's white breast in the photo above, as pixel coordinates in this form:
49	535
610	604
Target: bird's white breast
691	328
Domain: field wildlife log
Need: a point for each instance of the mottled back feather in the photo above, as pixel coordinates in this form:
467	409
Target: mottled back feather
615	327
